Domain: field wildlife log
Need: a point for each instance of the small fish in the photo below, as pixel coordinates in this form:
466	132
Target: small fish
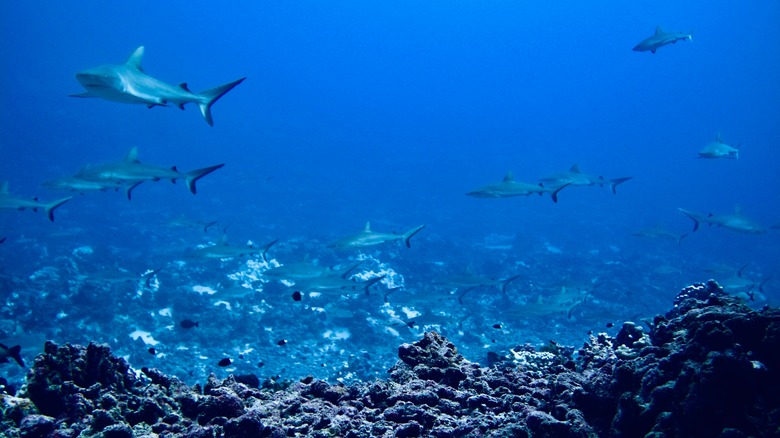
610	325
152	351
282	342
224	362
261	364
188	324
496	326
296	296
13	353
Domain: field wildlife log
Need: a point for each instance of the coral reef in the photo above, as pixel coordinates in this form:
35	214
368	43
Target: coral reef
707	368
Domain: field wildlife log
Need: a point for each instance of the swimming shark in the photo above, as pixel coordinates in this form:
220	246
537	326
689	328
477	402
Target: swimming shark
659	232
371	238
223	250
334	283
11	202
131	172
306	271
185	222
468	281
575	177
82	186
509	187
13	353
718	149
734	222
127	83
661	38
742	286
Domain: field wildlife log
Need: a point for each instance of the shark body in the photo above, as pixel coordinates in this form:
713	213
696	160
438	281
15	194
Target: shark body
718	149
130	172
371	238
734	222
659	39
508	187
223	250
575	177
127	83
659	232
10	201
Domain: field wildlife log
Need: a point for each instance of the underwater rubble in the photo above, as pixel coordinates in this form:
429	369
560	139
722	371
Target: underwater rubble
707	368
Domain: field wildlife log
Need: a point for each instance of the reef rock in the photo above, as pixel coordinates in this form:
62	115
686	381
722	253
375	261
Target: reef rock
707	368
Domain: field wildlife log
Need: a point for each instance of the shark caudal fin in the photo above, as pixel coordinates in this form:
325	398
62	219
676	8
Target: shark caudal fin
193	176
371	282
212	95
14	353
266	248
613	183
49	208
408	235
555	192
694	217
505	283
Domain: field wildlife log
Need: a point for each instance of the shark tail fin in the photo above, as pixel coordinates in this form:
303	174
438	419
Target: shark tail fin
372	282
408	235
266	248
613	183
49	208
391	290
212	95
694	217
129	190
682	236
14	353
555	192
505	283
193	176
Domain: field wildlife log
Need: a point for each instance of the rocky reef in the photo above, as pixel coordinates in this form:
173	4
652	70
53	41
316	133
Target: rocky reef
707	368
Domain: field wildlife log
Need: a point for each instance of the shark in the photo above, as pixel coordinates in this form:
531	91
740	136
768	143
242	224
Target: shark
575	177
734	222
659	39
468	281
335	283
223	250
184	222
82	186
659	232
10	201
508	187
306	271
371	238
128	83
718	149
742	286
131	172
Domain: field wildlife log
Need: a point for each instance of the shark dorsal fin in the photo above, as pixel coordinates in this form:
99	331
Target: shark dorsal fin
135	59
184	87
658	30
575	168
132	155
4	187
718	138
367	229
509	177
223	240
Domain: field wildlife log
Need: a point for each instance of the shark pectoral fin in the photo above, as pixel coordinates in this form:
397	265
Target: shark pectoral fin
212	95
84	94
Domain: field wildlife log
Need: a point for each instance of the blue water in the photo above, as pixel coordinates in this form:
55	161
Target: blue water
389	113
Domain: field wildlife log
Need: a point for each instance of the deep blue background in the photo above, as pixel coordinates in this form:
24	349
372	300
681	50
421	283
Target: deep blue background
391	111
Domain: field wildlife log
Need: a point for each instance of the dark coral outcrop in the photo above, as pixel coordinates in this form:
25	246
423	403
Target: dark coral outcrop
707	368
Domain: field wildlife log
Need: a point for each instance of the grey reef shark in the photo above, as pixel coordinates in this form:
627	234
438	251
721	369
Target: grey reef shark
9	201
659	39
508	187
734	222
371	238
224	250
128	83
575	177
128	174
718	149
